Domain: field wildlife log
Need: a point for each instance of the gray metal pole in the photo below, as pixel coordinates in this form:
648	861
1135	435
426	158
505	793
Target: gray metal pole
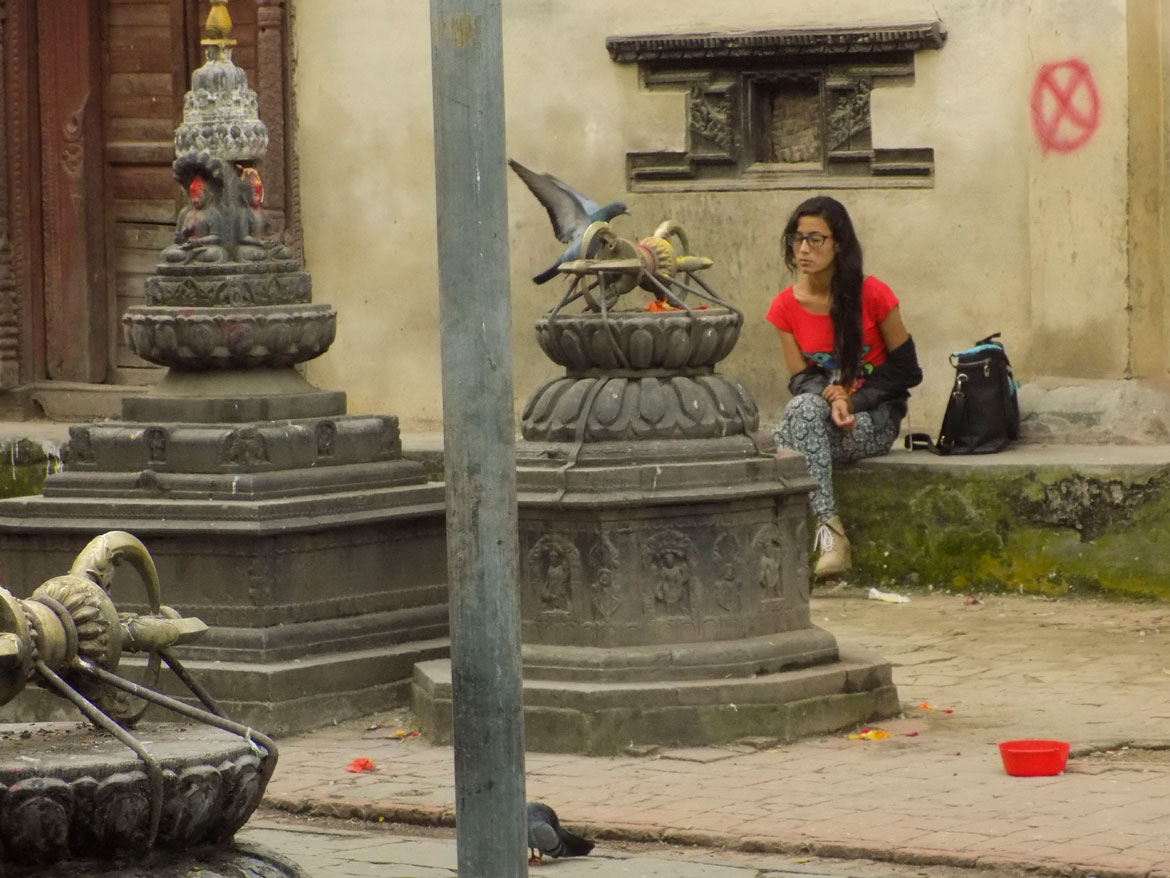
479	437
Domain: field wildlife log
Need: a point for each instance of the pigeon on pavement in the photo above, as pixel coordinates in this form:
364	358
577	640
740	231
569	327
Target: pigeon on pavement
546	836
570	211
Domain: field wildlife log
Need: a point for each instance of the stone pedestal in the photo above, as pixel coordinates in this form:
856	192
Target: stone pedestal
314	551
664	555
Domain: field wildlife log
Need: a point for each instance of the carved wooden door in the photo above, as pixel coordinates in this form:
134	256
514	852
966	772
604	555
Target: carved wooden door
75	312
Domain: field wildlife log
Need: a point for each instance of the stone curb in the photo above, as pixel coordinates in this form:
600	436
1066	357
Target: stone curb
423	815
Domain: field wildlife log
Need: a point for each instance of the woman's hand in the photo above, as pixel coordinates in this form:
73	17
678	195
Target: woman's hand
834	392
839	411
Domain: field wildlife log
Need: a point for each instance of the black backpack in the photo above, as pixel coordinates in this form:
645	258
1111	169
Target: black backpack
983	413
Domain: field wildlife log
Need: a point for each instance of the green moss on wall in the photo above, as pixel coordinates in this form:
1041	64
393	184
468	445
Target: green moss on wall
1053	531
24	464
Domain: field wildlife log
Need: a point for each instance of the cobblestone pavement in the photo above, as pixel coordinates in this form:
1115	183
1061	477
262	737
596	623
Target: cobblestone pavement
969	675
358	849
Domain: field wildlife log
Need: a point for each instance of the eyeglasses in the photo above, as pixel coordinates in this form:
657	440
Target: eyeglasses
814	239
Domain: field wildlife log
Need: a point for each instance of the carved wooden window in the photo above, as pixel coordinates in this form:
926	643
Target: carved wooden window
779	109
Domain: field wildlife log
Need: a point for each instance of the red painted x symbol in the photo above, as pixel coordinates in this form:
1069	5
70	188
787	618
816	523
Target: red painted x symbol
1065	107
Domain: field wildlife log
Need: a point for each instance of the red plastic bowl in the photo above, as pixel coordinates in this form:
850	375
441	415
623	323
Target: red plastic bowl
1034	758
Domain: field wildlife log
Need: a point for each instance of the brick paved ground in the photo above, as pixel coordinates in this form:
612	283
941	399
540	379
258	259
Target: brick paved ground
1095	674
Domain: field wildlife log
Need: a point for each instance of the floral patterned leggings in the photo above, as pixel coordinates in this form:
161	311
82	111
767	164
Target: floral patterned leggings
807	428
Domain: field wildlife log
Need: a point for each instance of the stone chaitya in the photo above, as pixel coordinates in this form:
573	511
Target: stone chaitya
296	530
663	549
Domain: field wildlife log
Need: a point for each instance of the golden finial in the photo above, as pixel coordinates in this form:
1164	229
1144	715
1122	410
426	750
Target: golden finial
218	27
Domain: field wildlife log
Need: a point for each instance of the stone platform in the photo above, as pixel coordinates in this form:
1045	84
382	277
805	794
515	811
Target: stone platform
664	600
284	653
314	551
1053	519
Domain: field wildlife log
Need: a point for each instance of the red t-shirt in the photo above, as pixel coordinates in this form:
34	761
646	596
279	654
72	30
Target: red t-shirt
814	332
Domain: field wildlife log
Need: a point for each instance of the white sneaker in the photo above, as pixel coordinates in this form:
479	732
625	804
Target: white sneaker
835	553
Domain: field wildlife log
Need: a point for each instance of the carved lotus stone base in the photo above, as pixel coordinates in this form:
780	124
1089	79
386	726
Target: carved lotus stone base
691	406
67	789
638	340
230	338
639	376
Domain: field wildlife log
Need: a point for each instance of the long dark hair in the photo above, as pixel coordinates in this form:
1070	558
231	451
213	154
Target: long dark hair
845	310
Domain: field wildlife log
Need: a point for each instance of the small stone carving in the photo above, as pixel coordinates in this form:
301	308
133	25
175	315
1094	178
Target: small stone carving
80	446
728	583
606	598
670	558
768	548
245	447
326	438
156	442
554	572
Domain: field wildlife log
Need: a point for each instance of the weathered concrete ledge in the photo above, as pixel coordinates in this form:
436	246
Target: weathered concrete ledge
32	454
1053	519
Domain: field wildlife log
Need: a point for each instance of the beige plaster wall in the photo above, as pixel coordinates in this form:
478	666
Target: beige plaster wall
1012	238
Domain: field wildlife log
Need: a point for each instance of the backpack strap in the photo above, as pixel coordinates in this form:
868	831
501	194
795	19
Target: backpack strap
953	420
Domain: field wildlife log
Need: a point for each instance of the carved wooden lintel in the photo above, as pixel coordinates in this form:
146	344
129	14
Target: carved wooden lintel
777	109
773	44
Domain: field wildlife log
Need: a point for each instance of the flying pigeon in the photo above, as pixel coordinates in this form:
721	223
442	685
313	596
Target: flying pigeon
547	836
570	211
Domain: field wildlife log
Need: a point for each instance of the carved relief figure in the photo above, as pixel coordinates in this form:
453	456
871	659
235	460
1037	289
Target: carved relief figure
606	598
670	557
554	569
768	559
245	447
197	237
80	446
727	586
555	593
156	440
326	438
